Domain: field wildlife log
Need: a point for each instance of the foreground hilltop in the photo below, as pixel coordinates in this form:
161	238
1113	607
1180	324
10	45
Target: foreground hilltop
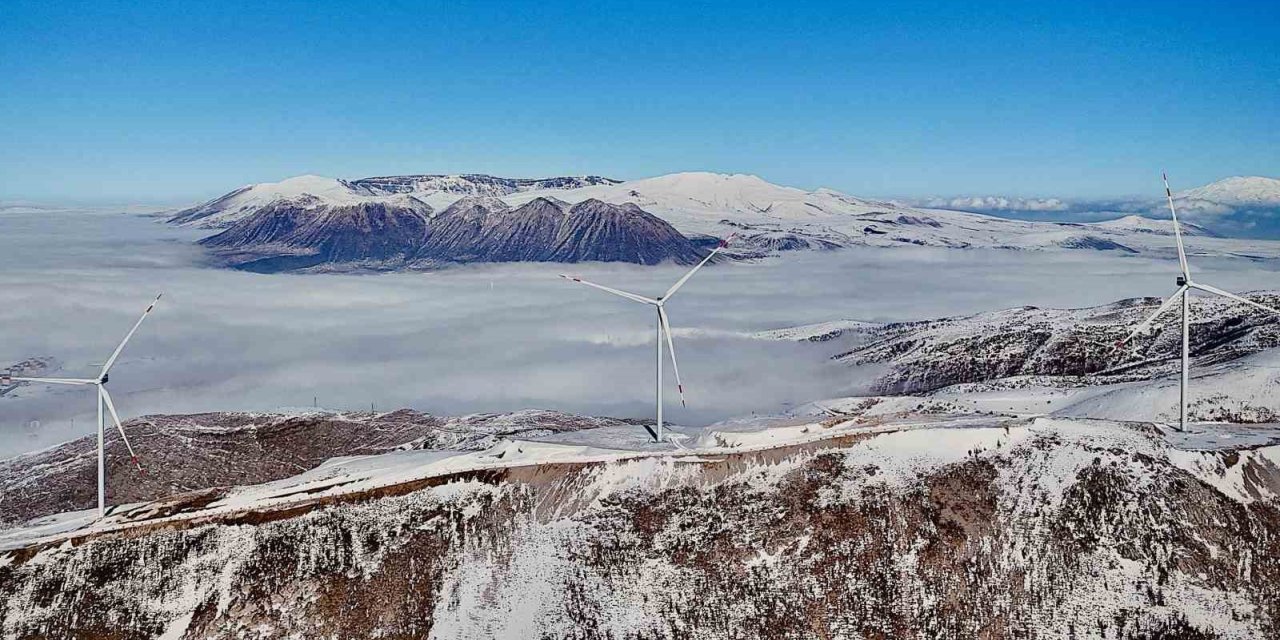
185	453
385	222
855	525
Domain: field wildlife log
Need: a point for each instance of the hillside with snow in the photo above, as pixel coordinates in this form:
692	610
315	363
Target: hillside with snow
898	525
202	451
1031	361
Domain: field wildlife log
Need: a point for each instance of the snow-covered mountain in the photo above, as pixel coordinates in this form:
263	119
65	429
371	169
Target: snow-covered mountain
1240	191
767	217
844	526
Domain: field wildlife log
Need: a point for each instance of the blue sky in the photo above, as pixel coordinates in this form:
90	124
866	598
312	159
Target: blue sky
116	101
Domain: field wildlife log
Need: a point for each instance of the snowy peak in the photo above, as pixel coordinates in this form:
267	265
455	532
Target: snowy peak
307	191
1238	191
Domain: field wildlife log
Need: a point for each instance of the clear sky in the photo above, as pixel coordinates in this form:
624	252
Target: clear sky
173	101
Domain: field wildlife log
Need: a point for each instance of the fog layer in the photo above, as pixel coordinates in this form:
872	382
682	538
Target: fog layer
480	338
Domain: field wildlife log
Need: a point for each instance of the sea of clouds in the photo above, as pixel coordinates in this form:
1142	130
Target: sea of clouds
482	338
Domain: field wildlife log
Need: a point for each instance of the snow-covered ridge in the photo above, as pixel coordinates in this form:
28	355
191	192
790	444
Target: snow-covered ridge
311	191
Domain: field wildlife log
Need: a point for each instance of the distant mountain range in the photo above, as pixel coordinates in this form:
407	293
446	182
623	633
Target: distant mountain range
1240	207
426	221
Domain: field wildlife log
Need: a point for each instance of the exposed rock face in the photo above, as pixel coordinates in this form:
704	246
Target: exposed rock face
1052	530
402	232
387	232
595	230
528	233
193	452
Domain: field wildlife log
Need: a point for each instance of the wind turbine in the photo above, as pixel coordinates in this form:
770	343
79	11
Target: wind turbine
1183	294
663	325
104	398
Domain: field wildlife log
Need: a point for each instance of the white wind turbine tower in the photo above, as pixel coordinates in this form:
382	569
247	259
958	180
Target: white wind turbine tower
104	398
1185	285
663	325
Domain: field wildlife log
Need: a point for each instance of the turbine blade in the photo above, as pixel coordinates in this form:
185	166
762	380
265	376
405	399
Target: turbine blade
1225	294
116	354
1177	228
116	418
671	346
76	381
1159	312
616	292
680	283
